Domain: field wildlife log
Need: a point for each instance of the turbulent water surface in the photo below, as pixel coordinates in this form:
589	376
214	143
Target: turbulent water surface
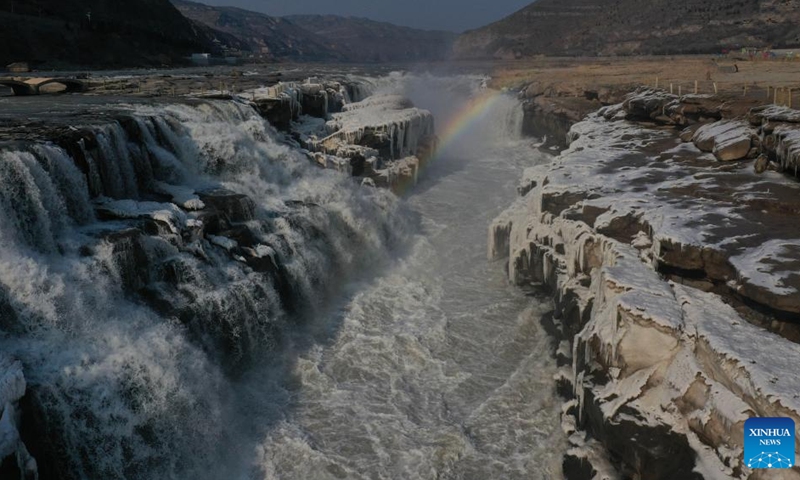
405	355
438	369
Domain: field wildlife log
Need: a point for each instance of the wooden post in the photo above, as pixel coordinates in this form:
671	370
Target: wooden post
790	97
656	82
767	91
715	88
670	89
695	87
680	87
775	100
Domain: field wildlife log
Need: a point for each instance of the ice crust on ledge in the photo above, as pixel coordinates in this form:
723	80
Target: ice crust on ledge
679	364
384	119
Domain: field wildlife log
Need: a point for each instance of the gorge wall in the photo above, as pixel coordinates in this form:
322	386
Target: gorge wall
672	273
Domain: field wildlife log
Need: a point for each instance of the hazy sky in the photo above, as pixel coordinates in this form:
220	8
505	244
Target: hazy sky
455	15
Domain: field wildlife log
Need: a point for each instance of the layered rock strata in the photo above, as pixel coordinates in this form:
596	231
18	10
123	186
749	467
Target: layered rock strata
675	285
383	139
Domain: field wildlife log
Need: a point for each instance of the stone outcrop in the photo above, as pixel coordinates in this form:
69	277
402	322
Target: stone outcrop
15	460
727	140
779	137
669	271
384	139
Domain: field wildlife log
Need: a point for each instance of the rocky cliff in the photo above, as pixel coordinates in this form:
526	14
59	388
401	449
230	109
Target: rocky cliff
93	32
630	27
672	265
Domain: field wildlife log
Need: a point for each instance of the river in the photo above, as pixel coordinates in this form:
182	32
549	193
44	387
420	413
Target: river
412	357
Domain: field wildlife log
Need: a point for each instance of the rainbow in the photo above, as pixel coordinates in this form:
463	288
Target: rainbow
459	125
467	117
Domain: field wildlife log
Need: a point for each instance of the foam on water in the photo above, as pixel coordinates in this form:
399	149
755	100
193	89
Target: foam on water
428	364
117	389
439	368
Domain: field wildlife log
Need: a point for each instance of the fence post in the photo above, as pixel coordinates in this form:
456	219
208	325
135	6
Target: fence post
790	97
775	91
656	82
670	89
715	88
695	87
680	87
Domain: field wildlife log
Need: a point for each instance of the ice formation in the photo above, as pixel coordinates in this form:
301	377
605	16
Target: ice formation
664	373
144	257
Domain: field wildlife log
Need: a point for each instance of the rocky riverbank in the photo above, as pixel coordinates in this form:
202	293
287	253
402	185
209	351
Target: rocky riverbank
665	233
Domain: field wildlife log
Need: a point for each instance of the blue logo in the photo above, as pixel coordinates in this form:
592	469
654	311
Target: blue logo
769	443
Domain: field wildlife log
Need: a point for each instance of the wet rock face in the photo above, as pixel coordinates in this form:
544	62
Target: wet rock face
15	460
233	207
168	271
667	268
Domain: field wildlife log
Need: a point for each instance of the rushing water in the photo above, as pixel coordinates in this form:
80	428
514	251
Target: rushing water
401	354
439	368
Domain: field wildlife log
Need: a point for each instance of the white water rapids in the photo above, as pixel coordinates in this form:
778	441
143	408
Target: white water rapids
438	368
411	358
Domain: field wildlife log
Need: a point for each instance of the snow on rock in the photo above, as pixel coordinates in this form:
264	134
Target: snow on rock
12	389
664	374
384	123
165	213
183	196
728	139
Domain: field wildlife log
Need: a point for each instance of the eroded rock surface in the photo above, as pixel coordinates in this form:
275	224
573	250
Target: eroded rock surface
15	460
671	271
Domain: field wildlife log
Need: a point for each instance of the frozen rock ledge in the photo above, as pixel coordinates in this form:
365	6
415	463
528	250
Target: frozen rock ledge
15	461
660	373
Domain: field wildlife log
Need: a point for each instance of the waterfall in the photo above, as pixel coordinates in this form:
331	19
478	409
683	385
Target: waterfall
146	263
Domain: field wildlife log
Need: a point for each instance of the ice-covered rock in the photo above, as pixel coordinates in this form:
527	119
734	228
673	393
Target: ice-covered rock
664	372
167	214
12	389
385	123
728	139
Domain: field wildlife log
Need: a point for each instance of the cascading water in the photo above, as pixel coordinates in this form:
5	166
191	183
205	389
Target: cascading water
133	329
173	284
438	368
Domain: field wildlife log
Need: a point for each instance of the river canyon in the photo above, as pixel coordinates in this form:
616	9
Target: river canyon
185	295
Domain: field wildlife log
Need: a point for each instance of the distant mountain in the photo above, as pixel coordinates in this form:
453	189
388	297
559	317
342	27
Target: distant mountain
628	27
364	40
68	33
263	35
321	37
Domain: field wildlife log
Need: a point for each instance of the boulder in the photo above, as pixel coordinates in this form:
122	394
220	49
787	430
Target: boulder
728	139
234	206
